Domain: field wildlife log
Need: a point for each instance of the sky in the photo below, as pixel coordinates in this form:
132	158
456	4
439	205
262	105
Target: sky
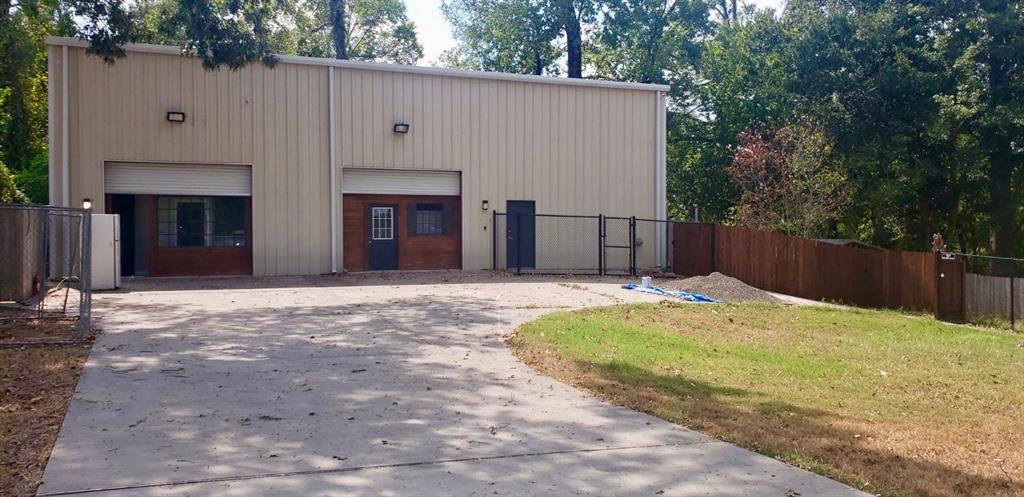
435	33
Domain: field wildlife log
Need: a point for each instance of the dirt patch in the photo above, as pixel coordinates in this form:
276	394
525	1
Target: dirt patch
37	330
721	287
36	385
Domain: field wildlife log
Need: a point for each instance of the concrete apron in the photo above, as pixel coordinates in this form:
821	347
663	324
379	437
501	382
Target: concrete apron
404	389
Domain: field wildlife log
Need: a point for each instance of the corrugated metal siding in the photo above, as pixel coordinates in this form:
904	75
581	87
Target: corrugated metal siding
178	179
575	150
400	182
275	120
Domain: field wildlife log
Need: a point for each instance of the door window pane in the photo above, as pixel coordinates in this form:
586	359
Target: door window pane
382	227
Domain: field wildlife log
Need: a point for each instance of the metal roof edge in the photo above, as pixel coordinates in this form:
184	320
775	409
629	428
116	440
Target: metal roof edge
378	66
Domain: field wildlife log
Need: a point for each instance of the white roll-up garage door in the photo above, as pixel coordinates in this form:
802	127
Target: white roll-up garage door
400	182
178	179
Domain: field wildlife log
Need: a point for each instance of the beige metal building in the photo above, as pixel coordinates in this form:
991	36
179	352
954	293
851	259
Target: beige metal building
321	165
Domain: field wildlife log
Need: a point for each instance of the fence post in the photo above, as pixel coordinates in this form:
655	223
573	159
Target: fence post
85	275
938	284
600	244
714	247
632	245
494	240
1013	303
519	243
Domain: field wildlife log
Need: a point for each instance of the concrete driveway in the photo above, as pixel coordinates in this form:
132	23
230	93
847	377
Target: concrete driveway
367	385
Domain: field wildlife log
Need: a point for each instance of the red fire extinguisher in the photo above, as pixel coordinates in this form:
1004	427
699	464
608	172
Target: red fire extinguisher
36	284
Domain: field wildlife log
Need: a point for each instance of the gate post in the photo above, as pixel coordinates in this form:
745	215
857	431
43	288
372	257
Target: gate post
600	244
632	245
494	240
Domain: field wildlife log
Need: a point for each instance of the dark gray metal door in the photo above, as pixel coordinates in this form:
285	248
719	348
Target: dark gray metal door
521	233
383	237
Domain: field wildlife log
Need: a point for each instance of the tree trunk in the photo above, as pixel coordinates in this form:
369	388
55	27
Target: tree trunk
1003	211
338	28
538	64
574	48
573	37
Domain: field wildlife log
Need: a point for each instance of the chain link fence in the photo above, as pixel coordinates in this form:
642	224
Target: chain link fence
546	243
45	284
579	244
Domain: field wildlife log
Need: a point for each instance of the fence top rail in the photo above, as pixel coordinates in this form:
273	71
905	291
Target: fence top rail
41	207
676	221
571	216
991	257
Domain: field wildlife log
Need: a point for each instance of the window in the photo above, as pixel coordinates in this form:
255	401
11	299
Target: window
383	223
429	219
201	222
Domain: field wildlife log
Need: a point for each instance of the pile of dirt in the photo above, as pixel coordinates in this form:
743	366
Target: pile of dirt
721	287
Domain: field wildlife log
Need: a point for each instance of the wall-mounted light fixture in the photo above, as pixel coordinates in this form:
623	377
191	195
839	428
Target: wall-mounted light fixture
401	128
176	117
485	205
87	203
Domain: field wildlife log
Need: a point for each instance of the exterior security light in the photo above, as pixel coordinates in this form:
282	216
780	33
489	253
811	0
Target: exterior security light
401	128
485	205
87	203
176	117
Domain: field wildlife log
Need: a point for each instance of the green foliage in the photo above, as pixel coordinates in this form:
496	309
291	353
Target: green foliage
33	181
376	30
9	192
23	92
515	36
649	41
740	81
379	30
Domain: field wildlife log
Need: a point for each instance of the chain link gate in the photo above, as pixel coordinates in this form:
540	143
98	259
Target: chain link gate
563	244
45	273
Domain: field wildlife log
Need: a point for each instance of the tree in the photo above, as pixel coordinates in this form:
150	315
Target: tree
570	16
981	44
513	36
373	30
380	30
789	181
649	41
23	88
924	100
339	35
518	35
237	33
739	79
9	193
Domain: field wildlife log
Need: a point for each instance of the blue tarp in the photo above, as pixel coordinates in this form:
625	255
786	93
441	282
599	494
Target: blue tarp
679	294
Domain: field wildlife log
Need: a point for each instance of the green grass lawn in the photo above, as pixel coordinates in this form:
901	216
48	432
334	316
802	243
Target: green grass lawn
891	403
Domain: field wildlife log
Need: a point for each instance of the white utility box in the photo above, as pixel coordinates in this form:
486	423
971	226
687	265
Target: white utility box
106	251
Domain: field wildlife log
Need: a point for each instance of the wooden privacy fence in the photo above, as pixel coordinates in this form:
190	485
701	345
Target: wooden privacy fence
822	271
993	296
